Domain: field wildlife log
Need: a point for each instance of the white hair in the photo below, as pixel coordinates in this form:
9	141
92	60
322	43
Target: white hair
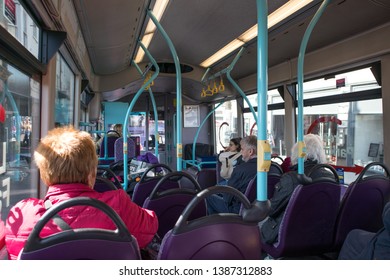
314	149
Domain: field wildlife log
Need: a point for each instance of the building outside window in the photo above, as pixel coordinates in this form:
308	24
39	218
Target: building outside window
15	19
65	92
225	124
19	135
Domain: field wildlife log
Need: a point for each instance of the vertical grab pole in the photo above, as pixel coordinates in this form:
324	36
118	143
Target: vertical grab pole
154	110
261	206
125	124
179	145
197	132
306	36
155	123
264	154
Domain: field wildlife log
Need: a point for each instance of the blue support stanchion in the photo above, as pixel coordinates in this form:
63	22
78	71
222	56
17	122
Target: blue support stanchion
197	135
262	90
129	110
154	110
260	207
155	122
179	145
302	49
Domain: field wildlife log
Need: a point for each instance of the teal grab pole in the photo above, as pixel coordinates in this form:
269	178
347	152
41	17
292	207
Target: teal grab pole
174	129
204	75
17	120
138	69
129	110
179	145
199	128
262	89
300	128
154	110
229	69
155	122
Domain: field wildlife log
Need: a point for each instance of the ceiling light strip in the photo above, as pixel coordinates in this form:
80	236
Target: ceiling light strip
158	11
274	18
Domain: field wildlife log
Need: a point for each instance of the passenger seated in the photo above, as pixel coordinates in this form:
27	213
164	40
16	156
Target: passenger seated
240	178
315	154
115	132
67	162
229	159
365	245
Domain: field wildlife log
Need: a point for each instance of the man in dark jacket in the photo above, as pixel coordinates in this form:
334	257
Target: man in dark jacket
289	181
240	178
364	245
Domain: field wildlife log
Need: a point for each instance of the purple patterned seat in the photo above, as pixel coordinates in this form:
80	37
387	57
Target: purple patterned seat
363	203
168	204
214	237
308	223
118	149
81	244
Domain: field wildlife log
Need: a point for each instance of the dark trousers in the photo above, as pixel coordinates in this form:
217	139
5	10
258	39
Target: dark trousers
355	243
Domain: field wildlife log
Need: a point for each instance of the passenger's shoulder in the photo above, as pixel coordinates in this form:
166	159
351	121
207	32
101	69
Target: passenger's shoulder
29	203
29	206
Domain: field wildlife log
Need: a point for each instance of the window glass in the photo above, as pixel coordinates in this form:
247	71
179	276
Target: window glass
349	131
354	81
252	99
225	124
19	135
352	132
136	127
64	101
275	122
15	19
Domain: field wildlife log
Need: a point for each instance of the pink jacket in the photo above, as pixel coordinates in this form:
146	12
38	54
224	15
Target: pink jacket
142	223
2	234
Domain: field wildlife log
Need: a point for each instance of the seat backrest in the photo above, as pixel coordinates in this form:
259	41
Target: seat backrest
118	149
137	141
272	180
206	177
108	173
109	158
363	203
169	204
214	237
142	190
103	184
308	223
275	168
146	184
251	190
83	243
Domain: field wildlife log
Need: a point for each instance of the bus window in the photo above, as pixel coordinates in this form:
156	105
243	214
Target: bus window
225	124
